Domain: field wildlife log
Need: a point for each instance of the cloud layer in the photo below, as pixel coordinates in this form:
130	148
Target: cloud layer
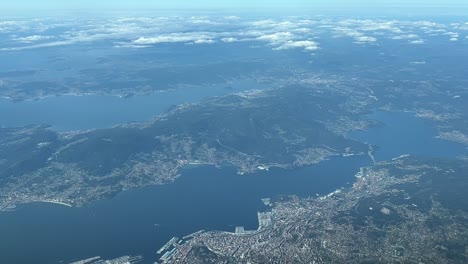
303	34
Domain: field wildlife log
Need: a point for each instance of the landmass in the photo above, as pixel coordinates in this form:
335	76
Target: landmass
303	119
251	131
407	210
123	77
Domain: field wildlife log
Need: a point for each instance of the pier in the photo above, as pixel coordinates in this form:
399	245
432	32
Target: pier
193	234
168	245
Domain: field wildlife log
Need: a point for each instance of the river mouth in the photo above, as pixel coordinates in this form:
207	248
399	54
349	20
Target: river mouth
140	221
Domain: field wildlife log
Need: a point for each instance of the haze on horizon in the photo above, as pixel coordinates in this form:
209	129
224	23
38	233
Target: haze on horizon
395	6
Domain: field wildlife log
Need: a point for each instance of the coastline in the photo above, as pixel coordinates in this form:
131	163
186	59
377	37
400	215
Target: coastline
52	202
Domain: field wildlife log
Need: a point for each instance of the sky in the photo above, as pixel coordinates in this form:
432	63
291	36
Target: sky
404	5
182	4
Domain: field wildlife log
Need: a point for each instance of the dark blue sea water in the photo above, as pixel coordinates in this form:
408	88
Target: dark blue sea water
402	133
140	221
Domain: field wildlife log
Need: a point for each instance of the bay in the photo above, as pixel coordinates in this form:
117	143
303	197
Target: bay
140	221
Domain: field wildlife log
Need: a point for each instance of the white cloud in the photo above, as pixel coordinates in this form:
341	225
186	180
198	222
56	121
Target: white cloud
12	26
344	31
359	37
130	45
407	36
229	40
363	39
232	17
416	41
453	36
36	46
370	25
367	30
429	27
305	44
195	37
138	32
279	34
302	30
287	40
463	26
203	41
276	38
263	23
426	24
249	33
8	23
202	20
434	32
33	38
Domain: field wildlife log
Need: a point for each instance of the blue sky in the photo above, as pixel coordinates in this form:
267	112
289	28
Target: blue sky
322	6
84	4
